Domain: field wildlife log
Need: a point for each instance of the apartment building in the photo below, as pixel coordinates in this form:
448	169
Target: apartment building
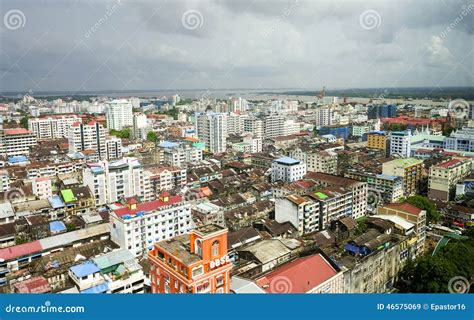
444	176
301	212
377	140
179	154
359	190
119	114
322	161
409	169
91	136
211	129
334	203
113	147
400	143
385	188
52	127
287	170
110	181
16	142
136	226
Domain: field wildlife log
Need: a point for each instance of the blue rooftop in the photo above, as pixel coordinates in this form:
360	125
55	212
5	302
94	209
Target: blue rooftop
100	288
84	269
168	144
57	226
17	159
56	202
287	160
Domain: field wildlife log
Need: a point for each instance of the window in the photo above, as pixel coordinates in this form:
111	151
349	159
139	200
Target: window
198	247
198	271
215	248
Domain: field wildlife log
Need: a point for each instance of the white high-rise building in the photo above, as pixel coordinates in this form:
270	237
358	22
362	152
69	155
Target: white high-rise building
89	136
254	126
274	126
119	114
400	143
211	128
113	147
324	116
235	124
110	181
52	127
140	126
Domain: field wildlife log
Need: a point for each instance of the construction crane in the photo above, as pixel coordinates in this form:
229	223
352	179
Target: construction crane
322	93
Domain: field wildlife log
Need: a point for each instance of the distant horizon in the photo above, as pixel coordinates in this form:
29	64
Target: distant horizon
295	89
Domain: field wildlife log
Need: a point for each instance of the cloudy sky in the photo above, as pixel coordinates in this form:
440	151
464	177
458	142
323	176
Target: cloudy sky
82	45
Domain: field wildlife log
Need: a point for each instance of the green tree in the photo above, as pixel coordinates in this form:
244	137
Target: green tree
424	203
24	122
151	136
123	134
431	274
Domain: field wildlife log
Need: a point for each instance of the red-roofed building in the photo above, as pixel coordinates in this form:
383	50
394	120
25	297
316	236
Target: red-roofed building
17	141
32	285
20	250
445	175
312	274
158	220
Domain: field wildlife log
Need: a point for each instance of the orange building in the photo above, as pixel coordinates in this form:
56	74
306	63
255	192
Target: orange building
193	263
377	140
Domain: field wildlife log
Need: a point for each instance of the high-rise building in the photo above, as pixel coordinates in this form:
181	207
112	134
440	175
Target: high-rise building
254	126
211	128
381	111
89	136
119	114
274	126
113	147
52	127
110	181
194	263
400	143
324	116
